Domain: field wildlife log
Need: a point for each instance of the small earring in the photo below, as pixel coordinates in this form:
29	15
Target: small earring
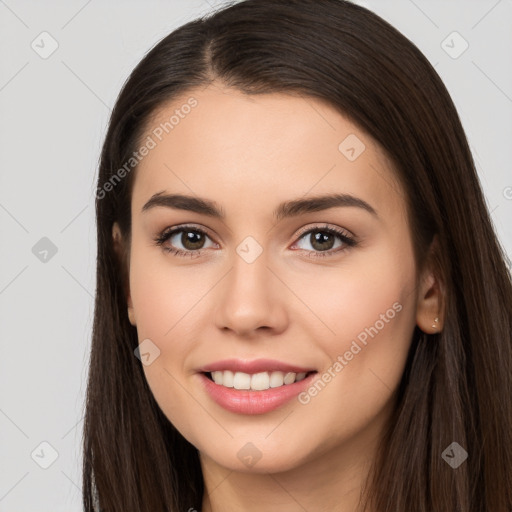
436	319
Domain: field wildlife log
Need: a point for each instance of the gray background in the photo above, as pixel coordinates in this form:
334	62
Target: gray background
54	113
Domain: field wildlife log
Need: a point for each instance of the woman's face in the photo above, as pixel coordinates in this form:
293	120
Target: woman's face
295	257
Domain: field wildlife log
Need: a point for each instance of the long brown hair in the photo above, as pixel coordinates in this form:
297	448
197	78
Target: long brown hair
457	384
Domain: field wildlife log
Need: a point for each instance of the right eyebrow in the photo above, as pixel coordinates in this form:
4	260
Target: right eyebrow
183	202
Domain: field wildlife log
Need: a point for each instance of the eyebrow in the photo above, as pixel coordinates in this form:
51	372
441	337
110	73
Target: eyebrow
286	209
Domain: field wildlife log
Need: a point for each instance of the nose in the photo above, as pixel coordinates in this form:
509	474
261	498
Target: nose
251	299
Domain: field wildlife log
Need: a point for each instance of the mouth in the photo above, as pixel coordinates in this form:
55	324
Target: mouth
257	381
254	387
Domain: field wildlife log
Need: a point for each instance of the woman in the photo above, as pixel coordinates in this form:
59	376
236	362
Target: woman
301	303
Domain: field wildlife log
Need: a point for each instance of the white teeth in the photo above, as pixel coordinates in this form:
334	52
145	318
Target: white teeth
217	377
227	379
260	381
257	381
289	378
242	381
276	379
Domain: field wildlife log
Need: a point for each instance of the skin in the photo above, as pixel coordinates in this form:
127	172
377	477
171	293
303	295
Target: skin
248	154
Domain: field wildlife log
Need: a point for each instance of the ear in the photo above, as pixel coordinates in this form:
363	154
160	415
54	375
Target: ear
430	298
120	250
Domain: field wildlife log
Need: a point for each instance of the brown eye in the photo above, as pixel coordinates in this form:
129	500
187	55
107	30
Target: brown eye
192	239
183	241
322	241
325	241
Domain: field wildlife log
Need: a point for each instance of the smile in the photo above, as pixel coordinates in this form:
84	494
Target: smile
257	381
254	387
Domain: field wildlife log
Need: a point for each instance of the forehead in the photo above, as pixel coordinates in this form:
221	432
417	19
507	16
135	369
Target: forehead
239	150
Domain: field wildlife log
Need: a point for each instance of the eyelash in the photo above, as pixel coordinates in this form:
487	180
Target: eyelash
166	234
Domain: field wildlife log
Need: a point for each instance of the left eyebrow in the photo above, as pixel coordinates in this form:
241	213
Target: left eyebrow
319	203
286	209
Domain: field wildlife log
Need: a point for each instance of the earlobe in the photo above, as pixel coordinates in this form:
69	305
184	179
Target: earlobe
117	239
430	299
120	250
131	312
429	305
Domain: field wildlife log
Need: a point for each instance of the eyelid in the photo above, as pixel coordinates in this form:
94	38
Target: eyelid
325	226
299	234
347	238
166	232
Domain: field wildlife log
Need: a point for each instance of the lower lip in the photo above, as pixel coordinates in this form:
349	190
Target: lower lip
253	402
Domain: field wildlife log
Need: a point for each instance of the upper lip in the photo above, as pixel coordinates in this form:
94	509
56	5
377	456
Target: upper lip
253	366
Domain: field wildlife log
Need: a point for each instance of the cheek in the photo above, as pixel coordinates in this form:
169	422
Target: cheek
168	305
370	310
164	296
367	296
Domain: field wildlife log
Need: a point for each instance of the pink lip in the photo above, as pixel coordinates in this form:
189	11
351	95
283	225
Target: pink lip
255	366
253	402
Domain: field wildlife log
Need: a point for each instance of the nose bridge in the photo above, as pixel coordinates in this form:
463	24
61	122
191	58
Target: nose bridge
250	272
249	298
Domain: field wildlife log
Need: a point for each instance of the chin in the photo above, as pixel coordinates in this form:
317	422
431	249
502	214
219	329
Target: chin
258	457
